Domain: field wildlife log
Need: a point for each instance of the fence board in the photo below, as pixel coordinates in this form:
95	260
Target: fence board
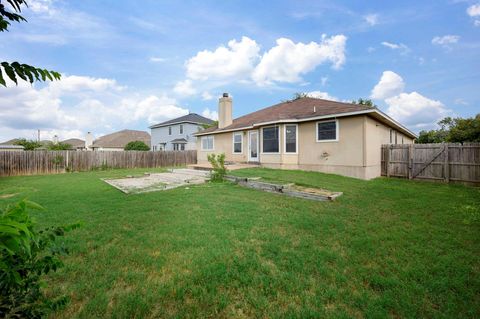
14	163
447	162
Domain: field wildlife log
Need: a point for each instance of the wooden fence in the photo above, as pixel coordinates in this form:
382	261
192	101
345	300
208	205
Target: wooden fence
441	162
51	162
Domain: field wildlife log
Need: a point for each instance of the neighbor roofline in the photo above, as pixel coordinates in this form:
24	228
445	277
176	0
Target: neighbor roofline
313	118
170	124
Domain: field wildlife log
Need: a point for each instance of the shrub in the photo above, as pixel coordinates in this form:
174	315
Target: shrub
218	164
28	145
59	146
137	146
26	255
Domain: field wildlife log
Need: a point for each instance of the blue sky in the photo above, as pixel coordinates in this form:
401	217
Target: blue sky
128	64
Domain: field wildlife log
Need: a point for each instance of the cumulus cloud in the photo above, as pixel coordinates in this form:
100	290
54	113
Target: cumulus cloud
185	88
206	96
412	109
321	95
390	84
474	12
287	61
371	19
397	46
445	40
210	114
234	61
77	104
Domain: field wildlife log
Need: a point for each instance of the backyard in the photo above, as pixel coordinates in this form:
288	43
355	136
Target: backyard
385	248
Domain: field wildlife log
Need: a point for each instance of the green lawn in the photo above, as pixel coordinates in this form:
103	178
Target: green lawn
386	248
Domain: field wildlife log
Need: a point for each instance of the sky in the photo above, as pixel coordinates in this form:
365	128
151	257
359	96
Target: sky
130	64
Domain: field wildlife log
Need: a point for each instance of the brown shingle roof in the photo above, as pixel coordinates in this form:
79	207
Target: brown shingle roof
121	138
302	108
75	143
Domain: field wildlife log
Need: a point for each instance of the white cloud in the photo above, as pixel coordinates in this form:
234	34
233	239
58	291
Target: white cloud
157	59
371	19
390	84
78	104
411	109
397	46
287	61
236	60
474	10
415	110
321	95
445	40
206	96
210	114
185	88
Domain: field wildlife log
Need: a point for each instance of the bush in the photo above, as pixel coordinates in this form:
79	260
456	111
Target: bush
27	255
59	146
218	164
28	145
137	146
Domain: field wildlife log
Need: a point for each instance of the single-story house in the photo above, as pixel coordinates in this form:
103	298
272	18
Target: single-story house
305	133
11	147
75	143
116	141
178	134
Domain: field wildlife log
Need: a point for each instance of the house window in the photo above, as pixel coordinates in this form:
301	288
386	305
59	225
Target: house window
327	131
207	143
290	138
169	130
181	129
237	142
270	140
178	146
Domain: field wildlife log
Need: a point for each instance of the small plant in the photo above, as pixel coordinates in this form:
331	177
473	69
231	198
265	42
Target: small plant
218	164
58	160
26	255
137	146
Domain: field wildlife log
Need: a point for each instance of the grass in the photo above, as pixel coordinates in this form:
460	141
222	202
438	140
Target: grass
386	248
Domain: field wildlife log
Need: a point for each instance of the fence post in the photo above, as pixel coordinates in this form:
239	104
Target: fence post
387	160
446	164
410	161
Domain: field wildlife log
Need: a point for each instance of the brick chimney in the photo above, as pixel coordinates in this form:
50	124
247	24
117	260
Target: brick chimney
224	111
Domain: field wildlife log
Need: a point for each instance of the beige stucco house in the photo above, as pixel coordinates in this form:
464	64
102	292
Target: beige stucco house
306	133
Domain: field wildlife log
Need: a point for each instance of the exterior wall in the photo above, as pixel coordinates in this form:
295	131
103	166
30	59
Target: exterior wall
355	154
115	149
160	135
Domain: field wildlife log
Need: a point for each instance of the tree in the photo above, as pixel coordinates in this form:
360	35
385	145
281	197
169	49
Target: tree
59	146
136	146
453	130
205	126
15	69
432	136
366	102
28	145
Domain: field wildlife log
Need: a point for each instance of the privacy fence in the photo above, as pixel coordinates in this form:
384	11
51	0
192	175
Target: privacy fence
50	162
441	162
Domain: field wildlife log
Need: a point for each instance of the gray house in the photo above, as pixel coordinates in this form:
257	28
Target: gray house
177	134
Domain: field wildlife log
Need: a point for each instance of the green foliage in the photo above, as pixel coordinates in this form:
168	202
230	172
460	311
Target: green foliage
17	70
27	255
205	126
59	146
137	146
29	145
218	164
453	130
365	102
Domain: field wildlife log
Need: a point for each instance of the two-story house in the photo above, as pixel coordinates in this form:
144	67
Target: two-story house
178	134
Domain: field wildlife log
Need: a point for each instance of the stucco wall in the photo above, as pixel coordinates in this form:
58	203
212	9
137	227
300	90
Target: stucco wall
356	153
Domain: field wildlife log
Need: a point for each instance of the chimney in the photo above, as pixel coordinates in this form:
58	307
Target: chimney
88	140
55	139
224	111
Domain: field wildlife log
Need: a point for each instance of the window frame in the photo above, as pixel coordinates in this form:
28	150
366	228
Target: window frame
233	142
279	146
213	143
169	130
285	138
337	131
180	128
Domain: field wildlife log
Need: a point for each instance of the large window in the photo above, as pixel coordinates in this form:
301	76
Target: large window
237	142
290	138
327	131
207	143
181	129
270	140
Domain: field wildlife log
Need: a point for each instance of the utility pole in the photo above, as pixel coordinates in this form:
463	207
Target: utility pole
38	135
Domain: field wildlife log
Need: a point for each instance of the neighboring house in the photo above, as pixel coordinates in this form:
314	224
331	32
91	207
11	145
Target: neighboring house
306	133
75	143
116	141
178	134
10	145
